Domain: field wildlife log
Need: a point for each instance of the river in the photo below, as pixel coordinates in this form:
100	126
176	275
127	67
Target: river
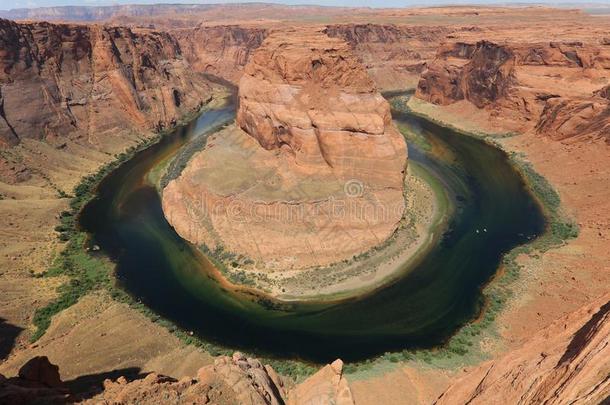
493	212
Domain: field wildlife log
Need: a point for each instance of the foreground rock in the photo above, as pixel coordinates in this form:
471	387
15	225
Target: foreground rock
565	363
313	174
231	380
38	382
327	386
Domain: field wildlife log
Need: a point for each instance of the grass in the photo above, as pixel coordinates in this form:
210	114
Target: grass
86	273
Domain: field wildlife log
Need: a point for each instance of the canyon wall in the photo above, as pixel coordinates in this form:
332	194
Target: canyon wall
555	89
395	55
221	50
313	171
90	82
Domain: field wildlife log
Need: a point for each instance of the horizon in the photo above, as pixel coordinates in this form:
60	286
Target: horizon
33	4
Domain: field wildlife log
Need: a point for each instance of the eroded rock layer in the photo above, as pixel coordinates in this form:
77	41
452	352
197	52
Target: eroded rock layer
565	363
310	97
555	88
221	50
313	173
91	83
393	55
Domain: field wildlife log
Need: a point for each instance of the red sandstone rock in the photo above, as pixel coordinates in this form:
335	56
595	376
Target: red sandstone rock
40	370
564	363
221	50
91	82
38	382
231	380
528	83
576	119
327	386
315	176
393	55
307	94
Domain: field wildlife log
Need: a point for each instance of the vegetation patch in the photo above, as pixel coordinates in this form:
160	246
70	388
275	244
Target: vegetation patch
85	272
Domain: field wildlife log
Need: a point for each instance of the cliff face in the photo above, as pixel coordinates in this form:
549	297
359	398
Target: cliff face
311	98
317	160
394	55
90	82
220	50
585	118
565	363
549	88
485	78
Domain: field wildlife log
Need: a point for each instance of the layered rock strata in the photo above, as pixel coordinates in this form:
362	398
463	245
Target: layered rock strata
551	88
564	363
313	172
393	55
221	50
91	83
310	97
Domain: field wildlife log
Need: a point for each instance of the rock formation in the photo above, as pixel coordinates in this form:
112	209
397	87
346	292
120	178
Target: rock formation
230	380
327	386
315	176
486	77
221	50
564	363
583	118
38	382
91	83
531	84
310	97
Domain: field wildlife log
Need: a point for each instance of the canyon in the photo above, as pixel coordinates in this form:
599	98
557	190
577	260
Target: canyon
75	95
90	85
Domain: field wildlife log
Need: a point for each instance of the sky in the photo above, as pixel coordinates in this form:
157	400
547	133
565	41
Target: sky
9	4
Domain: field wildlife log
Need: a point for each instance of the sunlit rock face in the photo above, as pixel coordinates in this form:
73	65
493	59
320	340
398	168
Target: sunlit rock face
314	168
538	86
310	97
91	83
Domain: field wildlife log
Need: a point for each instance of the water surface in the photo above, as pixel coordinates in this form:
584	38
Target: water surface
494	213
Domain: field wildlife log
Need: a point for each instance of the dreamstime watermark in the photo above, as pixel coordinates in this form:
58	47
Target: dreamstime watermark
353	188
320	212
